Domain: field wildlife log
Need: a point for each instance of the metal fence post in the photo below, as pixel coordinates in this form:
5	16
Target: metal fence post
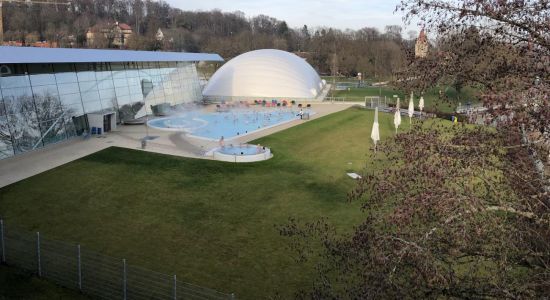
2	241
79	268
38	254
175	288
124	278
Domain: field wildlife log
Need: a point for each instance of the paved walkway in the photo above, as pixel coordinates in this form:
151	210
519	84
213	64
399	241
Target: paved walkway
172	143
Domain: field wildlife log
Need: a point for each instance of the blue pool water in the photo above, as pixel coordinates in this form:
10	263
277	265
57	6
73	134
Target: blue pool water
230	124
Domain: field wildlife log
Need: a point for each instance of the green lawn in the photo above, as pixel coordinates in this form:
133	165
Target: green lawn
15	284
431	97
211	223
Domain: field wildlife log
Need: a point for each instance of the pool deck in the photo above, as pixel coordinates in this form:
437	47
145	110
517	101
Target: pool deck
129	136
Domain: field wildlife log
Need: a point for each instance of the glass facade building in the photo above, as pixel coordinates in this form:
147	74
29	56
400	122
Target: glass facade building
44	103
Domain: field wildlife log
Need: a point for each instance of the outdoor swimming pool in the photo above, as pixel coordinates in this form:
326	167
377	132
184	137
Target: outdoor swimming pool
242	153
231	124
240	150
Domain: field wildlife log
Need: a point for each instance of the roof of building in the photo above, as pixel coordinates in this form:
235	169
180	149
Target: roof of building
29	55
422	36
124	26
265	73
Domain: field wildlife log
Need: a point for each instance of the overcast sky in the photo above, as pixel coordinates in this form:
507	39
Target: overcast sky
341	14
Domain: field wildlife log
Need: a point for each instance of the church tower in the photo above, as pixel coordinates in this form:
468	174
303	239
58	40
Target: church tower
421	47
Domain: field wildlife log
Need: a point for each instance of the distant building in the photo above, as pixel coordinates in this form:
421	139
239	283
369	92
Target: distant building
45	44
13	43
117	34
39	44
422	45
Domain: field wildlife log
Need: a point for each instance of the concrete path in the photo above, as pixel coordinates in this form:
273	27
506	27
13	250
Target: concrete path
166	142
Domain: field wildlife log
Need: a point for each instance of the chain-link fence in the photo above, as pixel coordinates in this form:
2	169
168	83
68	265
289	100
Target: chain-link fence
90	272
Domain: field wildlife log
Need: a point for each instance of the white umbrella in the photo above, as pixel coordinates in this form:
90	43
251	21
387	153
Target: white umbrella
397	116
421	105
375	134
411	108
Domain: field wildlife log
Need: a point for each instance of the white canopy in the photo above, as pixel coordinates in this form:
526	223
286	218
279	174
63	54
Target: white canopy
265	73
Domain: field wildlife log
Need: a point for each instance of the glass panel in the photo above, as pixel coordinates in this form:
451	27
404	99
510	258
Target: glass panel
85	76
103	75
132	73
120	82
127	110
73	110
136	97
90	96
122	91
154	72
107	94
41	74
133	81
108	99
42	79
135	89
47	103
6	144
2	108
68	88
104	80
18	100
88	86
53	131
70	129
71	99
92	107
122	100
25	131
105	83
66	77
43	90
79	124
14	81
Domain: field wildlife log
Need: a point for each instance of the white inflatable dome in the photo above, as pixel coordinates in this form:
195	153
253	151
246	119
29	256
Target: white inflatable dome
265	73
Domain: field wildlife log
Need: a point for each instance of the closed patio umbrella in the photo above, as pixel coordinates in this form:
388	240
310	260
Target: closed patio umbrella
411	108
421	105
397	116
375	133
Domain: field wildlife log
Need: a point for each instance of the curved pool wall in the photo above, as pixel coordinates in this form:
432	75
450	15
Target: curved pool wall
249	154
233	124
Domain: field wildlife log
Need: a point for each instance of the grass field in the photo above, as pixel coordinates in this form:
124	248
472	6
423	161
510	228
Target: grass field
211	223
17	285
431	97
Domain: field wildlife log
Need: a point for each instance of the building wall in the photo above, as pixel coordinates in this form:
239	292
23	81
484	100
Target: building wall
42	104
